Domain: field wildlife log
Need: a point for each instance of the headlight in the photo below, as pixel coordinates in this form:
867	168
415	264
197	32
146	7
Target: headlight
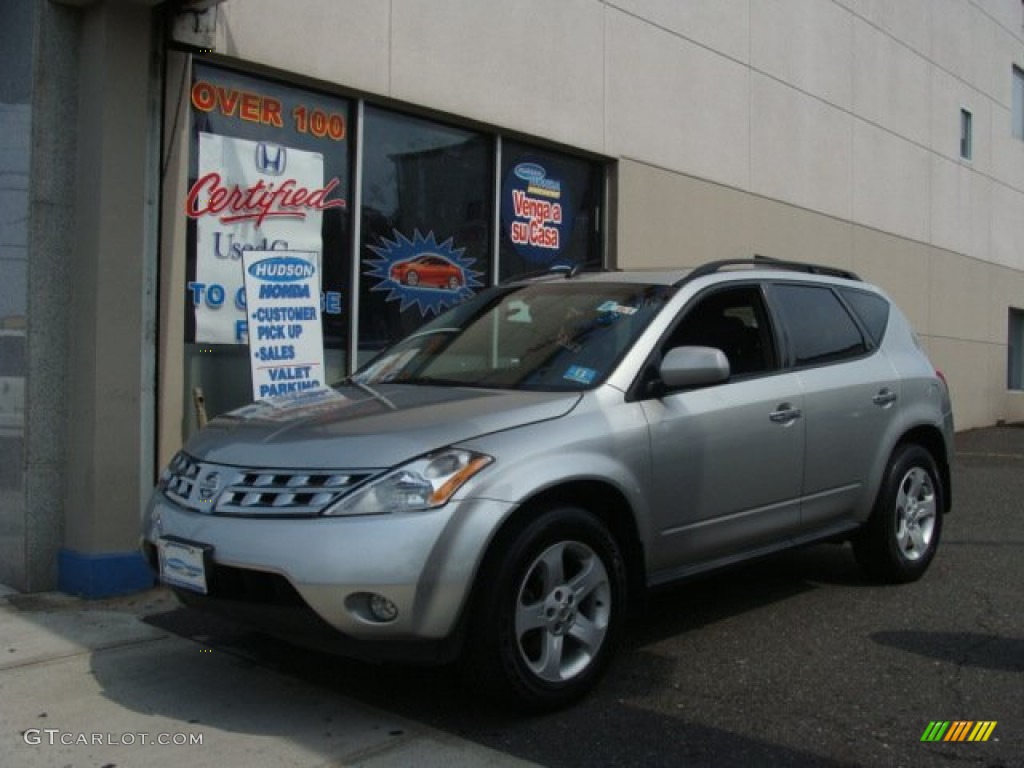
424	483
178	464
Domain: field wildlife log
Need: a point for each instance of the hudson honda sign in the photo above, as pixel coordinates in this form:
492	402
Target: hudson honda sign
286	350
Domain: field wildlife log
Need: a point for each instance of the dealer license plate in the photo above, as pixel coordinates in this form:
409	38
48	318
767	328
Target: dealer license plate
183	563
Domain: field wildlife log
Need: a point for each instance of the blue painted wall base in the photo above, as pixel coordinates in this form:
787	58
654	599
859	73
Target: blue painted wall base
105	574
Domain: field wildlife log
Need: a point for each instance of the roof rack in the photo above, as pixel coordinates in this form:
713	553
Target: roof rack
767	262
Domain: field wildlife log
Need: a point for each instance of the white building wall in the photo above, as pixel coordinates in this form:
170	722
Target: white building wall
816	129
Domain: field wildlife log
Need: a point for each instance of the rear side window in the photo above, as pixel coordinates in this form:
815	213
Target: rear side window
818	327
872	310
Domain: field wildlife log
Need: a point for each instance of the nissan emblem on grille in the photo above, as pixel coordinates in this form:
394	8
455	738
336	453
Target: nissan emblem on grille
209	486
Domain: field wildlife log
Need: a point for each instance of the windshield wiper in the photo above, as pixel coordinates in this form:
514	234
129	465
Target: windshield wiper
370	391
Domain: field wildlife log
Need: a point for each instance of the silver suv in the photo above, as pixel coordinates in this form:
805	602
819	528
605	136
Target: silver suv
503	484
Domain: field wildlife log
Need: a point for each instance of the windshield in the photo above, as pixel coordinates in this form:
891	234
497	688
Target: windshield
538	336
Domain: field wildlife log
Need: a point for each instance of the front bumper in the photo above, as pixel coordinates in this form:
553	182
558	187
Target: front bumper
269	572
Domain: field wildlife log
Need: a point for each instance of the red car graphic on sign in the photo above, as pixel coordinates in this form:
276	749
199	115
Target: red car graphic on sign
428	269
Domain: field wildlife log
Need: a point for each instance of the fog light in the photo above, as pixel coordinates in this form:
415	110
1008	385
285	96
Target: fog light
382	608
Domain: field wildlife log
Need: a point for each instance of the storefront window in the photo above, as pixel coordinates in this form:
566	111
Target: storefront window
427	196
270	170
15	143
550	210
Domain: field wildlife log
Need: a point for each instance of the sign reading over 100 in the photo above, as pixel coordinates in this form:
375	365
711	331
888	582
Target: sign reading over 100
266	110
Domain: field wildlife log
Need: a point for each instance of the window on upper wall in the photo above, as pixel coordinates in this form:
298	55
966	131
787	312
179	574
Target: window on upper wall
966	134
1015	350
1018	103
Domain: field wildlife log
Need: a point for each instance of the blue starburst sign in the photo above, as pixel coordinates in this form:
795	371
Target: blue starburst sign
423	273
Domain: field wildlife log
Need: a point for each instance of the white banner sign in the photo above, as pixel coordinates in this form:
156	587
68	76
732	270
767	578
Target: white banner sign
249	195
282	299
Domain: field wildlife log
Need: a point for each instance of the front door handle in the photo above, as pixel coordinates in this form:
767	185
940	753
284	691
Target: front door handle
884	397
785	414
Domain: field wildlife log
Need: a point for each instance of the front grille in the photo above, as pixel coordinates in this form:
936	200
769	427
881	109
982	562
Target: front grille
225	490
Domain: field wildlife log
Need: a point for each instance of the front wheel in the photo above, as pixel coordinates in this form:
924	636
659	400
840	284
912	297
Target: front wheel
900	539
546	632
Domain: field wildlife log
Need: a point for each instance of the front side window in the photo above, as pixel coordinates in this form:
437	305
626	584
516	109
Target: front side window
541	336
818	327
735	321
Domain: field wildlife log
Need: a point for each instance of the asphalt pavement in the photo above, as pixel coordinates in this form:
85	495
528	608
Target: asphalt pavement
793	661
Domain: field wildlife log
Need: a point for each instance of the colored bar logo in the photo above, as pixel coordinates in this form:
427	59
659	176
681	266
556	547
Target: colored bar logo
958	730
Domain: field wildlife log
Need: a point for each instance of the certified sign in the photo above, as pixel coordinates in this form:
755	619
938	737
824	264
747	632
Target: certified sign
282	299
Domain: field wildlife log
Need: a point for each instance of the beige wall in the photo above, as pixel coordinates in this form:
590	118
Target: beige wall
109	461
170	352
957	304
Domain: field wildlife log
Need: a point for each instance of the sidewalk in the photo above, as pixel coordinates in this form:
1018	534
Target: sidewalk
88	683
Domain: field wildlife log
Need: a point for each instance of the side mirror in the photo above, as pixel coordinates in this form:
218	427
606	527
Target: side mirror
688	367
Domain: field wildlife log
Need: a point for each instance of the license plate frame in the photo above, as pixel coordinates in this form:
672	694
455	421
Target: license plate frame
184	563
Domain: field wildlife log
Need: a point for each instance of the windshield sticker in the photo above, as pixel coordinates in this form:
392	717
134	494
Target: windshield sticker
423	273
580	374
615	307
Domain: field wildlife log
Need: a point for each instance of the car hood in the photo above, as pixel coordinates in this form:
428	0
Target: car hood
350	428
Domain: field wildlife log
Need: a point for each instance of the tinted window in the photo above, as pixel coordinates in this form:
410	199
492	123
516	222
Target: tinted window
872	310
819	328
733	320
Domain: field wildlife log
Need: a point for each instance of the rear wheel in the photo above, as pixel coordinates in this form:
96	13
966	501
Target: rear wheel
900	539
544	635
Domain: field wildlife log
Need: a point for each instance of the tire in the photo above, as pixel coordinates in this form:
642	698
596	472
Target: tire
453	283
412	278
900	538
546	632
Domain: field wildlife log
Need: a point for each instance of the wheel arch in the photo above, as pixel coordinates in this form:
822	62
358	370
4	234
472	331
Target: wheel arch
930	438
601	499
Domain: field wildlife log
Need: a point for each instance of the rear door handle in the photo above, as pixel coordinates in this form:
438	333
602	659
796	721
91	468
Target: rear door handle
884	397
785	413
